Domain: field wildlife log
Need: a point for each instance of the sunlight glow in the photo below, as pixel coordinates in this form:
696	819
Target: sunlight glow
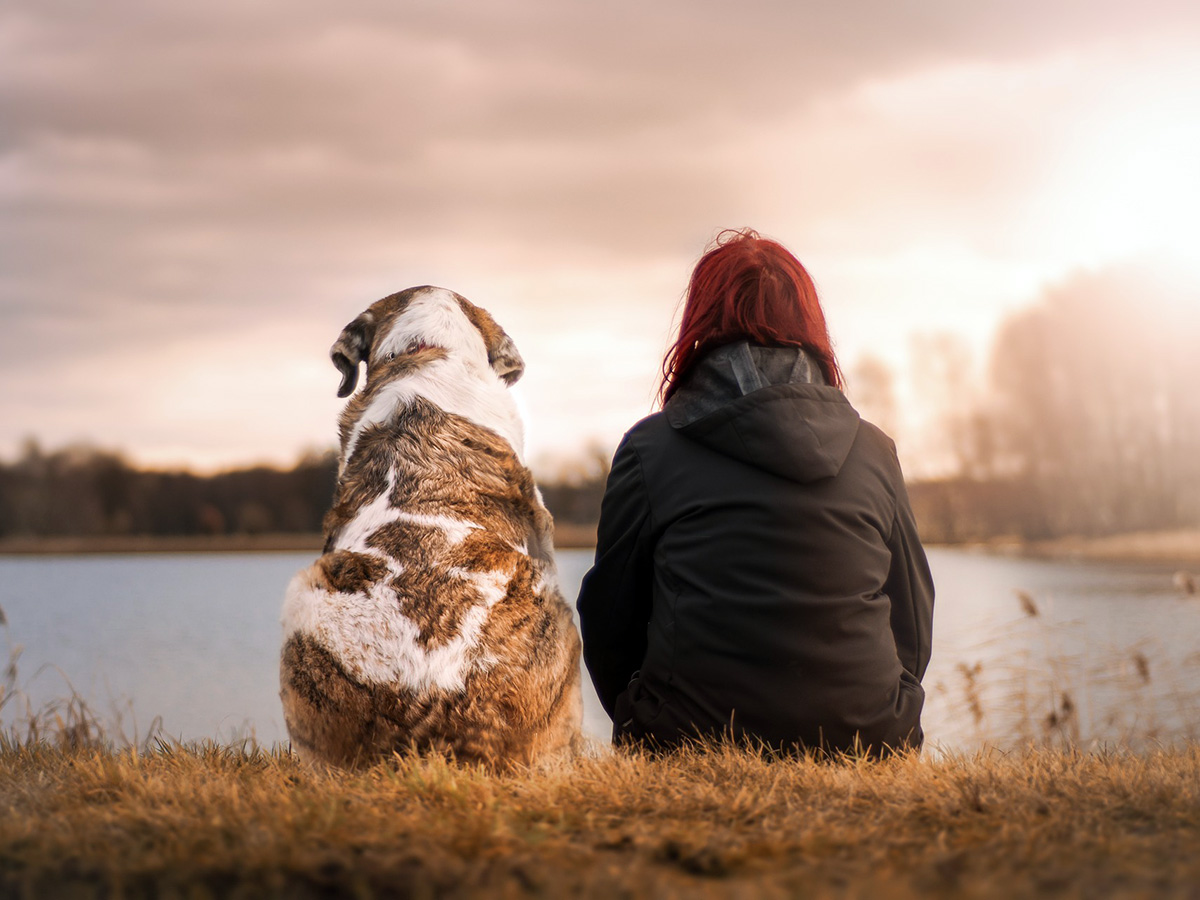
1130	183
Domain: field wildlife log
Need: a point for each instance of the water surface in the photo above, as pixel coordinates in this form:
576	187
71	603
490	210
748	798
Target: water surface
1110	655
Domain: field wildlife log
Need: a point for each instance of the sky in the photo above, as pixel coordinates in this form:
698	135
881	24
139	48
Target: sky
195	198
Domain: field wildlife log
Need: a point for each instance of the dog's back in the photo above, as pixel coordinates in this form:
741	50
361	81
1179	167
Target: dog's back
432	620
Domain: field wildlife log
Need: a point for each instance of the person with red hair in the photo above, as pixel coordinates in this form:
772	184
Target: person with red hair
758	571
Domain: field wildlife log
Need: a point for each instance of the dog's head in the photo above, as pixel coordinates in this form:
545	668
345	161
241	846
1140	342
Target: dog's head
420	325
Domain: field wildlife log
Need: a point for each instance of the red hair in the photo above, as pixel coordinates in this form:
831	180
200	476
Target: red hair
751	288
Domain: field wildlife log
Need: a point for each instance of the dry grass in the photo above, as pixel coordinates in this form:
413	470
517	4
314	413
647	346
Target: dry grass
212	821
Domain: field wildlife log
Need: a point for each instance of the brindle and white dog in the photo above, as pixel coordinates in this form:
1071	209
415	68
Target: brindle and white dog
433	620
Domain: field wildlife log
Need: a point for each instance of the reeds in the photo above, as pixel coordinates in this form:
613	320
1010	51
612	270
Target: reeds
1041	686
68	722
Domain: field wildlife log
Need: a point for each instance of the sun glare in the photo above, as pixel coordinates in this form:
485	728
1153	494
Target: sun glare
1127	184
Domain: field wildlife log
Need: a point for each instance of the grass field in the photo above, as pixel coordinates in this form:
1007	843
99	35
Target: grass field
210	821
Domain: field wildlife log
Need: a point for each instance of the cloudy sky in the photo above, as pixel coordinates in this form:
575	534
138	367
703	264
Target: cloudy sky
194	198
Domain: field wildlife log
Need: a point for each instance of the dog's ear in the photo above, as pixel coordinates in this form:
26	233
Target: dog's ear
352	347
503	355
505	359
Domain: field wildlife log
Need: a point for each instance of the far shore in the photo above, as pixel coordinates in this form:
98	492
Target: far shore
566	537
1180	547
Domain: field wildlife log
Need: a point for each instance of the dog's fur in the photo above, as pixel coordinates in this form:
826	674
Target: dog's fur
433	620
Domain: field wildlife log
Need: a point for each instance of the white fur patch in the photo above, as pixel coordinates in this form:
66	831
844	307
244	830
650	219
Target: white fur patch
367	630
380	512
436	318
485	401
463	383
376	643
375	515
454	530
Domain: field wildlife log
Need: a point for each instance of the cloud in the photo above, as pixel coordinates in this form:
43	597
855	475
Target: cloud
176	177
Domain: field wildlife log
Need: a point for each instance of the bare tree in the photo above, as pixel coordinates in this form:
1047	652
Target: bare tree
1097	406
872	388
958	426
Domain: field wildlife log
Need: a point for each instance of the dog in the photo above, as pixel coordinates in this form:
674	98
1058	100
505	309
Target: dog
432	621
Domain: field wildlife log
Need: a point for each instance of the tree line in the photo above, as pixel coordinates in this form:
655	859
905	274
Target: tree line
1089	423
85	491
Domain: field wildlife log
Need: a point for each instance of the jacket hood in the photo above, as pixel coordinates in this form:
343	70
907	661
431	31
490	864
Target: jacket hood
766	406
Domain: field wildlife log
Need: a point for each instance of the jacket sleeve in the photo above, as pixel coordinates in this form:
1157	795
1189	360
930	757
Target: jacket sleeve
910	587
615	597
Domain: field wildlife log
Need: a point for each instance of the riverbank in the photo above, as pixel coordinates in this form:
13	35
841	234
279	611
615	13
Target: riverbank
567	536
1179	547
146	543
222	822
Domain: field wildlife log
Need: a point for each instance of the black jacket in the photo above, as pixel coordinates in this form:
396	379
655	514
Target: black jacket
758	568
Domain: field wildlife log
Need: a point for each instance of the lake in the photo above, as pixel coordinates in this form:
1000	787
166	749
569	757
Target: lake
1023	649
